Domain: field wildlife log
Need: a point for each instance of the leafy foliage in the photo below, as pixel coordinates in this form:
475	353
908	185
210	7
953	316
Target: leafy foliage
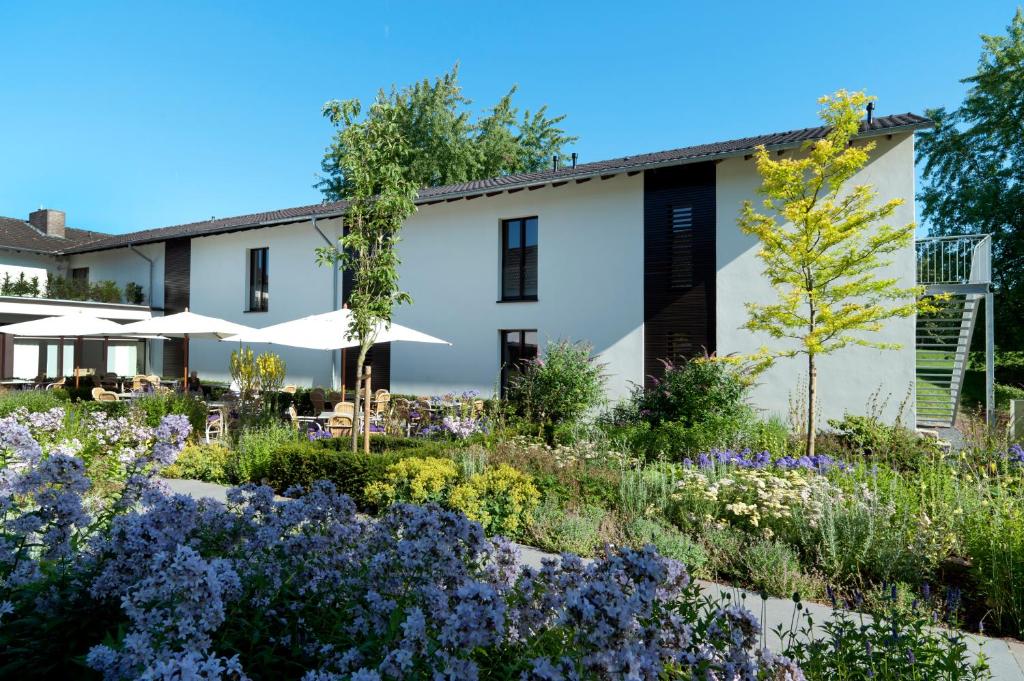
369	157
822	245
209	463
688	393
501	499
560	387
973	170
444	145
21	286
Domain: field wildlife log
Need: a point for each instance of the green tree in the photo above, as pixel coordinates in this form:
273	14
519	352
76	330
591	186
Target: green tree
373	178
445	145
973	170
822	244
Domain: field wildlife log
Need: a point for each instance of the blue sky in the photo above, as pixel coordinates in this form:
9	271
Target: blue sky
137	115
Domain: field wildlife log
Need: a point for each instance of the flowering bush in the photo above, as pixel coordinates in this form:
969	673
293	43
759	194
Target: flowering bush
501	499
416	480
755	499
560	387
171	587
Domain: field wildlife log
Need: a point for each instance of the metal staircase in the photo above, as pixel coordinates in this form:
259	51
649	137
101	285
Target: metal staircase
959	267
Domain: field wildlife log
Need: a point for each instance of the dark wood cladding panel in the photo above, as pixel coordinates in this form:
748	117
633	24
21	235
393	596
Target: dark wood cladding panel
679	306
177	272
379	357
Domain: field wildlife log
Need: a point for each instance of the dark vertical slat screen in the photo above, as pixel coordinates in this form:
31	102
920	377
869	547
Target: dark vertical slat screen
177	273
679	264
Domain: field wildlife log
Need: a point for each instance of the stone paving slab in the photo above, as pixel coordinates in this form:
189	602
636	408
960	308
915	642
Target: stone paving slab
1005	657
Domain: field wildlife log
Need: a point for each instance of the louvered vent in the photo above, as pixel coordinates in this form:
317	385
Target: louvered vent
682	246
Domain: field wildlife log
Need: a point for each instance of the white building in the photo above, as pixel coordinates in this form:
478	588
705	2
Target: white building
640	256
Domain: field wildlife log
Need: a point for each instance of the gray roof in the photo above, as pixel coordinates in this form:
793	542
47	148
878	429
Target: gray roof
20	235
467	190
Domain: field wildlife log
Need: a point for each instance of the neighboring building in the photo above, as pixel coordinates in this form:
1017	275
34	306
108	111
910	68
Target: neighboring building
640	256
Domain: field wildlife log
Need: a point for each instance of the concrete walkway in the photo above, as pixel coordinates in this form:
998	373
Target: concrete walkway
1005	657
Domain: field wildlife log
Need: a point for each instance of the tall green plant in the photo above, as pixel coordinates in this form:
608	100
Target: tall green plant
560	387
371	154
823	244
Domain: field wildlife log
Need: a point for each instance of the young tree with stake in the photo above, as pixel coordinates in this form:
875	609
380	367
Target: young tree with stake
370	154
822	244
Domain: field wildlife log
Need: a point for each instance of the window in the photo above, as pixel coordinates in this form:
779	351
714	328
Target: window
517	346
259	291
80	275
682	246
519	259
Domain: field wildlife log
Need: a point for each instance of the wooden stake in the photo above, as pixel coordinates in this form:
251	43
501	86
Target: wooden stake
184	386
366	412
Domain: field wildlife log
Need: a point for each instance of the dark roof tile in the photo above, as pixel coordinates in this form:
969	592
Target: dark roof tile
700	152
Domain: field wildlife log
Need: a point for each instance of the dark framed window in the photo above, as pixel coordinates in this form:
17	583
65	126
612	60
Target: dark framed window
517	346
519	259
80	274
259	280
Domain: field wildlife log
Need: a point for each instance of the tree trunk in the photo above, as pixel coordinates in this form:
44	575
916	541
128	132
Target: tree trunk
812	402
363	348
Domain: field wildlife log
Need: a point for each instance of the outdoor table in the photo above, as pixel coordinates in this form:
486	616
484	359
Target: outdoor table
16	383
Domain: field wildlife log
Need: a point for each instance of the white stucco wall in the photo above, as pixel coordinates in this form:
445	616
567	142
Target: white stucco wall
298	287
121	265
846	379
590	284
32	264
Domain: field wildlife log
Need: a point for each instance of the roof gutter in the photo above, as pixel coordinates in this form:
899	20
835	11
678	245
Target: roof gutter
335	354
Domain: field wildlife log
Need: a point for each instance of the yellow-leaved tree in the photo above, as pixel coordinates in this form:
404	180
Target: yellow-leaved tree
823	244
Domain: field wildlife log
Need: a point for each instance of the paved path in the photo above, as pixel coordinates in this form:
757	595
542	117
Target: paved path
1005	657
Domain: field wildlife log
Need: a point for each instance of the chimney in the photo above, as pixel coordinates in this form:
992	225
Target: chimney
48	221
871	113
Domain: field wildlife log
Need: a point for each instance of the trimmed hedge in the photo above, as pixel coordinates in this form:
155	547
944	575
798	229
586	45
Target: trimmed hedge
304	463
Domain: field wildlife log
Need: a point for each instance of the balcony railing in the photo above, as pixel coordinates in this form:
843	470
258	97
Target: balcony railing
951	260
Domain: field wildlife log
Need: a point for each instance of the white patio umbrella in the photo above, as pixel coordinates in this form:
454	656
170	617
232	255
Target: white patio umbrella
327	331
75	325
186	325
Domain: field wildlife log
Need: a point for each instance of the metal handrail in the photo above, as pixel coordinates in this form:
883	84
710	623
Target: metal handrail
961	259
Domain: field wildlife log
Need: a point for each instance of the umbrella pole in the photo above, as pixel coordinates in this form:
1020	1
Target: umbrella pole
184	385
60	358
78	358
343	364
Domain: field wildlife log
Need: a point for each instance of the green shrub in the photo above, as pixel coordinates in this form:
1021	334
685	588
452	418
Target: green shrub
255	448
21	286
158	405
689	393
418	481
32	400
576	531
670	542
209	463
559	388
133	294
675	440
501	499
760	564
301	463
869	437
105	291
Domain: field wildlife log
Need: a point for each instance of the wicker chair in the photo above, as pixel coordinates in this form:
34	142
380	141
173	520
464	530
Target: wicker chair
105	395
109	381
339	426
304	423
290	389
333	398
381	407
59	383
